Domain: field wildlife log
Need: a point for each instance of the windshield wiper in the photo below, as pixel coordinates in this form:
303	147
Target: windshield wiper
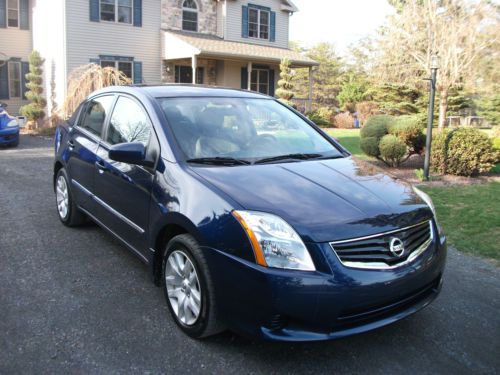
218	160
297	156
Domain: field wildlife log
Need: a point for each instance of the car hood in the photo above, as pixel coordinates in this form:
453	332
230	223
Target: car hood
324	200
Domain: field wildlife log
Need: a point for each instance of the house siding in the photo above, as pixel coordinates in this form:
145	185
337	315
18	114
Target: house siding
233	22
15	43
87	40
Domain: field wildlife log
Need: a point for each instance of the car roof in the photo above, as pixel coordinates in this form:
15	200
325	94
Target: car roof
182	90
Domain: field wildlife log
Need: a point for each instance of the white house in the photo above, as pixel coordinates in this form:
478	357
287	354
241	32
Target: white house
232	43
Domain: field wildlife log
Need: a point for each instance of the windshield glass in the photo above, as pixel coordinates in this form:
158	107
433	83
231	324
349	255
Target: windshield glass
244	129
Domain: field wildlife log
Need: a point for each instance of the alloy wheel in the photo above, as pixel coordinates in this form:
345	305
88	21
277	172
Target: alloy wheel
62	197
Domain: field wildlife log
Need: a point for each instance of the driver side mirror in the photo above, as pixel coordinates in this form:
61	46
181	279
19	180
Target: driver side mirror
130	153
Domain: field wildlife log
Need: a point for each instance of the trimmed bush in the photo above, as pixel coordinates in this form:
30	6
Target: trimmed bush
409	130
344	120
463	152
376	126
392	150
369	145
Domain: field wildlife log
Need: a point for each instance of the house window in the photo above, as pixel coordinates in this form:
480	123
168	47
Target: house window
260	81
116	11
184	74
258	23
123	66
14	79
13	13
189	15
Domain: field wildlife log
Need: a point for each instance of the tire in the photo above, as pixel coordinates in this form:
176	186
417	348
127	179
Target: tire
71	216
205	323
15	144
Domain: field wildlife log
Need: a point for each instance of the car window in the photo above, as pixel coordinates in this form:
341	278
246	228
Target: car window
129	123
241	128
95	114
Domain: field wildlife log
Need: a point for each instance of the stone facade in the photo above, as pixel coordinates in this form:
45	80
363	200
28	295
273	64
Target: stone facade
171	15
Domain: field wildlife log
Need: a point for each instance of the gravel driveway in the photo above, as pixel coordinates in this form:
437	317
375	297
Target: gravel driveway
76	301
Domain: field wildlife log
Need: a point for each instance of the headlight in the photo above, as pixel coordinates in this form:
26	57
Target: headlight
275	243
428	201
12	124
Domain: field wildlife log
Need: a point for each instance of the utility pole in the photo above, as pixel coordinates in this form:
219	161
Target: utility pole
430	115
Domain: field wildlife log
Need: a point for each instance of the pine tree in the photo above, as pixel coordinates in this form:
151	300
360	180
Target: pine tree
285	85
34	111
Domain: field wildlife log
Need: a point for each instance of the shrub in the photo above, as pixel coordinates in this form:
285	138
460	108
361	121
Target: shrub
34	111
496	143
409	130
344	120
392	150
321	116
369	145
365	110
463	152
285	91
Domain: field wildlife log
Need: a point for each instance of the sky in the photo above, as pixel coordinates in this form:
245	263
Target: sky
341	22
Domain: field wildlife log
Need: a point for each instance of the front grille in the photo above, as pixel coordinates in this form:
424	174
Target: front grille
375	251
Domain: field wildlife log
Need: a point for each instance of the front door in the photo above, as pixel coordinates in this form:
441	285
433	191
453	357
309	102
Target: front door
184	74
123	191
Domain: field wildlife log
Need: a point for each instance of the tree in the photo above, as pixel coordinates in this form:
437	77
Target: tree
34	111
351	93
453	29
285	85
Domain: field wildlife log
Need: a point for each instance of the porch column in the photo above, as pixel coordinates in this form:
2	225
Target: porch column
193	66
310	94
249	78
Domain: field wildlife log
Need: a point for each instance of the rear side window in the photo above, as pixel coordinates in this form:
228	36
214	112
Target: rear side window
129	123
95	114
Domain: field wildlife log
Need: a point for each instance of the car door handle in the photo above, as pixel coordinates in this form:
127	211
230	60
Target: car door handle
71	145
100	166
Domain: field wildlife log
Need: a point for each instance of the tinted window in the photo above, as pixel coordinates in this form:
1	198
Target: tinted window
95	114
129	123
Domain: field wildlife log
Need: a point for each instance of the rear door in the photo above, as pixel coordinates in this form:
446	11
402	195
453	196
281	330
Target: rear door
83	142
123	191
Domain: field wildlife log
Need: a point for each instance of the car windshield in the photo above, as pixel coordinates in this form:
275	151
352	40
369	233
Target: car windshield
242	130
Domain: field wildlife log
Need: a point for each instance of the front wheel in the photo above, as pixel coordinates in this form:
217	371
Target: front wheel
188	288
69	214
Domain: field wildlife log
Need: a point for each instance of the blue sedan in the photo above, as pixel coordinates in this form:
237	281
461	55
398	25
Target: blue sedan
9	129
248	215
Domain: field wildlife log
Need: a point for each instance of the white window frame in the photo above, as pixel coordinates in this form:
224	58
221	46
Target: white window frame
18	15
258	80
190	10
116	13
259	11
116	62
10	64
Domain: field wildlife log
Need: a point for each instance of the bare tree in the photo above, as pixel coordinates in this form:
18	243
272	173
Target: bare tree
452	29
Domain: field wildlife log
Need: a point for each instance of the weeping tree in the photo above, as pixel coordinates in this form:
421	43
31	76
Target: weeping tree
86	79
285	91
452	29
35	110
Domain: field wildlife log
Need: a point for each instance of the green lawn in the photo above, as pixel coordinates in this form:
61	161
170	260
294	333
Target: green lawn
470	216
349	138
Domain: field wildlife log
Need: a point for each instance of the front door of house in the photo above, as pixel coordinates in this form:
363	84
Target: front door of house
184	74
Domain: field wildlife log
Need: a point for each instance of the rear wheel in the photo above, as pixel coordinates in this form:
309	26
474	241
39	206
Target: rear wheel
188	287
69	214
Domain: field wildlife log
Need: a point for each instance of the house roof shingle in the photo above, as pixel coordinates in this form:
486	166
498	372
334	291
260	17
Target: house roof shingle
213	46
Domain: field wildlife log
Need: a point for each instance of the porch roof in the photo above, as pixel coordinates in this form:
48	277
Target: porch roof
179	44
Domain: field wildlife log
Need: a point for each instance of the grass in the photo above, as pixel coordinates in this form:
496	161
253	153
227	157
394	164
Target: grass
349	138
470	217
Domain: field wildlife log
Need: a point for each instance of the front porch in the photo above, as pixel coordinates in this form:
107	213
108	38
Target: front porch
210	60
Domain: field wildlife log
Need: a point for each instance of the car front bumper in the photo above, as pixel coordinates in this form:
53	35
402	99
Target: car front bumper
9	135
287	305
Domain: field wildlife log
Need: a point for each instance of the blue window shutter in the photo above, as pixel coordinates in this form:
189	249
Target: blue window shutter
244	22
138	13
4	82
24	15
3	13
272	37
95	61
244	78
25	68
271	82
94	10
137	72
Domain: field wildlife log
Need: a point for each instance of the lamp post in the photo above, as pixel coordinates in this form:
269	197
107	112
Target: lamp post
430	115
